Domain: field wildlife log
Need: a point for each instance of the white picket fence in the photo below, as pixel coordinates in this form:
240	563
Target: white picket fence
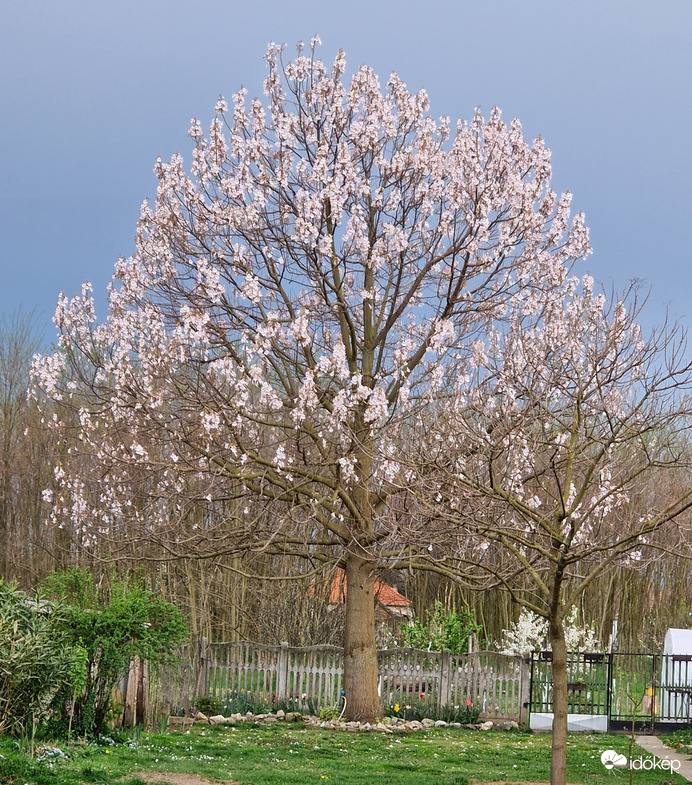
496	684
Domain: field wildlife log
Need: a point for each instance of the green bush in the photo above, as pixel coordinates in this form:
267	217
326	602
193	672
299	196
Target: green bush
109	631
36	659
208	705
330	713
443	631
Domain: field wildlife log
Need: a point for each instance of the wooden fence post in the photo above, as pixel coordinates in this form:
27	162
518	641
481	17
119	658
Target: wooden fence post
131	695
443	698
282	675
202	681
141	709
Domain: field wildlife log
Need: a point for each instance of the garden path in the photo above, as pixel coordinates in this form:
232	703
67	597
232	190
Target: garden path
176	778
654	746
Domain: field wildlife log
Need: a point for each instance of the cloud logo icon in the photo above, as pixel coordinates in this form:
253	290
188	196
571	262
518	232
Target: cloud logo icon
611	759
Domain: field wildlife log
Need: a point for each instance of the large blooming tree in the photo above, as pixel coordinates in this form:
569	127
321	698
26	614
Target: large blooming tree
561	452
294	300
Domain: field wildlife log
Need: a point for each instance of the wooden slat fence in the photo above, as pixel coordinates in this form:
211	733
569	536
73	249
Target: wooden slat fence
496	684
241	667
314	674
408	675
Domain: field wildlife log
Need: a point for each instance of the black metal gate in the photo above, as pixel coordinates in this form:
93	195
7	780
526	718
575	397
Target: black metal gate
651	691
588	677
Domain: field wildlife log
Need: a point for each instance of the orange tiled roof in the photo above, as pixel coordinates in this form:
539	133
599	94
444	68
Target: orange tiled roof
384	593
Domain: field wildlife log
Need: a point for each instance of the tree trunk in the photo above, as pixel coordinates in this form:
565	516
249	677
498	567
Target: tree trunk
360	653
558	757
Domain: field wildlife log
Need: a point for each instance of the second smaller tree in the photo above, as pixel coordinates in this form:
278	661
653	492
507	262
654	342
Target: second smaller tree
562	453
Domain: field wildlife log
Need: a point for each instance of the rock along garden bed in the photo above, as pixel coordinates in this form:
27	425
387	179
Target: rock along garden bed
386	725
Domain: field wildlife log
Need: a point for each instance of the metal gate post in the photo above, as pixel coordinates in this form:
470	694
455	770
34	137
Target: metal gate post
530	700
654	692
609	690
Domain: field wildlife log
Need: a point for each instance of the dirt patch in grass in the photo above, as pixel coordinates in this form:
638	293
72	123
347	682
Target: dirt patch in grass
175	778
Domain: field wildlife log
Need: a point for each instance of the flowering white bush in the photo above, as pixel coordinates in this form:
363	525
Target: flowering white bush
530	633
525	635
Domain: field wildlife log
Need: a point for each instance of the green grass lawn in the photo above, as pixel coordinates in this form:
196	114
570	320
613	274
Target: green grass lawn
285	754
680	740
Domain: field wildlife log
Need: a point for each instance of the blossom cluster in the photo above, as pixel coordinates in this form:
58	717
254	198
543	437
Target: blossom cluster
530	633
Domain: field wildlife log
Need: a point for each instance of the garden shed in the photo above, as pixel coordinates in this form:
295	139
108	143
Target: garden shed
676	675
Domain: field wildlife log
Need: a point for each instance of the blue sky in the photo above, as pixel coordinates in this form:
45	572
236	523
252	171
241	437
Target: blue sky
92	92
